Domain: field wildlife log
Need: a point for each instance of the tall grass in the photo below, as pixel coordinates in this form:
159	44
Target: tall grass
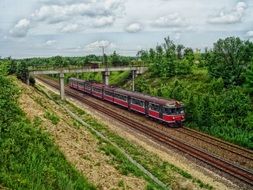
28	157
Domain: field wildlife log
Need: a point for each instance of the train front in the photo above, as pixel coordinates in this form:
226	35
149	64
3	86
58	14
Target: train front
174	114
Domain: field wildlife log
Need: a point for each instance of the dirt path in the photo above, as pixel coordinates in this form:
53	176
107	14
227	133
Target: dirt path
78	145
196	171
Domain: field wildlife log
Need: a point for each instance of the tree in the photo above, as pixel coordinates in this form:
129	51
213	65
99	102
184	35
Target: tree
189	55
229	60
206	115
180	48
105	59
86	61
115	59
58	61
191	108
12	67
234	104
183	67
22	71
249	80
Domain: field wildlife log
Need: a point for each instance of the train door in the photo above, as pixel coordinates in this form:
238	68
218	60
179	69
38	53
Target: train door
129	101
102	91
146	108
161	111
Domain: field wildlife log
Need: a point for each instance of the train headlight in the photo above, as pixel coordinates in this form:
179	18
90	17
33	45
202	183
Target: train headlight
173	118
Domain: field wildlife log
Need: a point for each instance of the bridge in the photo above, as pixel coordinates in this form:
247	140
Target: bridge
104	70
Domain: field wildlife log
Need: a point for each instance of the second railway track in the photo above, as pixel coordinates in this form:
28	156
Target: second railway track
227	167
248	154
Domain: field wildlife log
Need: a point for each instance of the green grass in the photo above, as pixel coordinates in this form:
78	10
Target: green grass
29	159
119	78
52	117
118	159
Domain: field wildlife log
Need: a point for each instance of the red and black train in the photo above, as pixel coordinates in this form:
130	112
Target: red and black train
170	112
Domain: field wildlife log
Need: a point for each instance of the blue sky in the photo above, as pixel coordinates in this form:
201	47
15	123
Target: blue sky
32	28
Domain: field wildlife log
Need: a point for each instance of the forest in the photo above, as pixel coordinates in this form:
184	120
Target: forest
215	84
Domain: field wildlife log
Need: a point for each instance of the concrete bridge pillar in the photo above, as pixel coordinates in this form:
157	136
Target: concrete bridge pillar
62	86
28	79
106	75
134	74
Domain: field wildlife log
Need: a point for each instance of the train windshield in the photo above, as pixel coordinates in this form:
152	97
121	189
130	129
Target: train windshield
180	110
173	111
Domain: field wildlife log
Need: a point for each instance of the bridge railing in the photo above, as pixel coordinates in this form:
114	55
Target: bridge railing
73	67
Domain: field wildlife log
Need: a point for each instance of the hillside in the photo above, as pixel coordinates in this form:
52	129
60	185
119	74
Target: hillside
29	158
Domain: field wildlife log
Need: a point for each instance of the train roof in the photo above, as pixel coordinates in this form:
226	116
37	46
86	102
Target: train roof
169	103
97	84
107	87
77	80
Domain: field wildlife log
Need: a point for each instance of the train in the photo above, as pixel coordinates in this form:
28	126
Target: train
169	112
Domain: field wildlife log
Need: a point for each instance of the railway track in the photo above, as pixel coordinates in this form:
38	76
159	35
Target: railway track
242	152
233	170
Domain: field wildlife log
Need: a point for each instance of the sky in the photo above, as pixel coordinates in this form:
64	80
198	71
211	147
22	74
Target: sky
44	28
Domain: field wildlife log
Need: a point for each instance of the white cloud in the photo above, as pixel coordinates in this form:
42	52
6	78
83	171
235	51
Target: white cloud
57	13
70	28
171	20
63	1
76	14
98	44
231	17
21	28
134	27
50	42
250	34
104	21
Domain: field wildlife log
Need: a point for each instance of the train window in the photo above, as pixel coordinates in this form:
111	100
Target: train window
87	86
108	93
97	90
170	111
173	110
154	107
119	96
137	102
80	83
167	110
180	110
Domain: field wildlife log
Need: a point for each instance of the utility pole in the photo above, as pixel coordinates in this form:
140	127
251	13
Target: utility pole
106	73
103	57
103	54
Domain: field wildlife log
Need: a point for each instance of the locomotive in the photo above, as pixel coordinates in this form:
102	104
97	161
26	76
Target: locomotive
170	112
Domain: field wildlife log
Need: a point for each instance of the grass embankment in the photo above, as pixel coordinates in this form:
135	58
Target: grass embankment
210	108
167	173
78	145
29	159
